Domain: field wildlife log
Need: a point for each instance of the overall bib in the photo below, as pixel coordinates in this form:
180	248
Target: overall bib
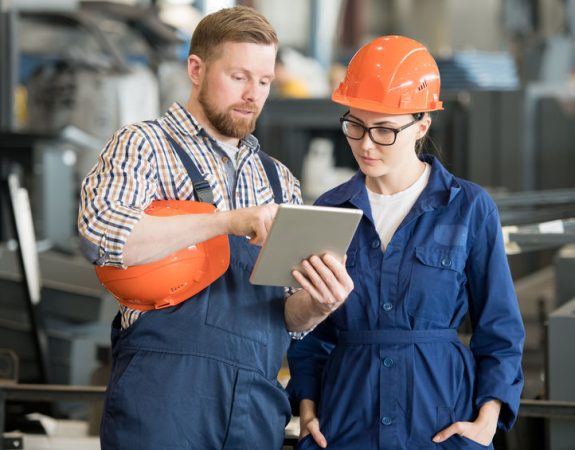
202	374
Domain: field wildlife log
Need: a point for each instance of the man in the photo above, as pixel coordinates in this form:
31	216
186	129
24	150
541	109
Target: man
202	374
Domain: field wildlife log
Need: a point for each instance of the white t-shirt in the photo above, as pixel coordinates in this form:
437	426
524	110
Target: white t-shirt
230	150
388	211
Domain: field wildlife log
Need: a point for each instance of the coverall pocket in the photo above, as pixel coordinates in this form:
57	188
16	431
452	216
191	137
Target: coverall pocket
437	279
122	367
446	417
240	308
169	400
458	442
306	443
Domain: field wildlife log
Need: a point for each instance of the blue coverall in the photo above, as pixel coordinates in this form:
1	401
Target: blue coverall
387	370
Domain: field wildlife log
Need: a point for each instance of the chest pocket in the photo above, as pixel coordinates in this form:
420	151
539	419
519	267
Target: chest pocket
240	308
437	281
360	310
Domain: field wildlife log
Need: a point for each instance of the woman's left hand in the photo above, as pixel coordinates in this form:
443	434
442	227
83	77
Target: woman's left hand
481	430
326	280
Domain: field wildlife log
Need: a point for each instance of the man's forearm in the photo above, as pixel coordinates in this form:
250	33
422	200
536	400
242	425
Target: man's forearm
154	238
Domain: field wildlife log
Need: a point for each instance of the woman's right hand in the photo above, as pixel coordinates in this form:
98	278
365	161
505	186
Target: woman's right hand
309	423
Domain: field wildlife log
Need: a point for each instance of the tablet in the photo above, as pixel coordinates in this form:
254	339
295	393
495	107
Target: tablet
299	231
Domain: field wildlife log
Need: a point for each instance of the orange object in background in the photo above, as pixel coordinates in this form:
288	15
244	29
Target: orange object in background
391	75
178	276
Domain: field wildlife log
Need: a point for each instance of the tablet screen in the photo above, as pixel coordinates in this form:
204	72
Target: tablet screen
299	231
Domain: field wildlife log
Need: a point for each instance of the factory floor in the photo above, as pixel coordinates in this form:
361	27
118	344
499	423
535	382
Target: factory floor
73	435
64	435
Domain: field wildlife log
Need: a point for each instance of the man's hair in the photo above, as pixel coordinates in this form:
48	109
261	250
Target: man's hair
237	24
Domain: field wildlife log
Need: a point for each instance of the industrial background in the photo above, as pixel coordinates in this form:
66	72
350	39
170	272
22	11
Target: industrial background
69	71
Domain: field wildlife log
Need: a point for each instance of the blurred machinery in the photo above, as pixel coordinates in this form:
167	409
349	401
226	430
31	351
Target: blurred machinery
74	71
561	372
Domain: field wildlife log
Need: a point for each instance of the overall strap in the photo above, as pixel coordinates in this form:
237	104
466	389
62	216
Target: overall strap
273	176
202	188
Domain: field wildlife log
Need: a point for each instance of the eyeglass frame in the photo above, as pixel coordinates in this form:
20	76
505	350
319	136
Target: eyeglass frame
396	131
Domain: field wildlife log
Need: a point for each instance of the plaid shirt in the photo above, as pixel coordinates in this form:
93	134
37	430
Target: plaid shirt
138	165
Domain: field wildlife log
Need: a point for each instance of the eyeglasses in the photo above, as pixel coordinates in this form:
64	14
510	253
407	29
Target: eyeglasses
379	135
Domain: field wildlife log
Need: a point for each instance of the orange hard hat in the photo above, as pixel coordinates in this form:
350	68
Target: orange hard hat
391	75
178	276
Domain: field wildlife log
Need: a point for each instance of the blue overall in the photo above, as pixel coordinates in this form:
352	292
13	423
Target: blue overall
202	374
387	370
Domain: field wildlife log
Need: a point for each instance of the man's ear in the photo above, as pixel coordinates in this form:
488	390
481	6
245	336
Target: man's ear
195	69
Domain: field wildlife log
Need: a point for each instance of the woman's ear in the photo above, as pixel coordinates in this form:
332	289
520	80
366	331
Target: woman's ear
195	69
423	126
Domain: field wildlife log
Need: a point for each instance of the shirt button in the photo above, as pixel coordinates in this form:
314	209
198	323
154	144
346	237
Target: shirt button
386	420
225	160
446	262
387	306
376	243
388	362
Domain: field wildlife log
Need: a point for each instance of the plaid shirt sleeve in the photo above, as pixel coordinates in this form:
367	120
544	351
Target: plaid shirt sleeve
114	195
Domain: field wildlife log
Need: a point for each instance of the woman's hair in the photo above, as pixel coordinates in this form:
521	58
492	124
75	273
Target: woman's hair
237	24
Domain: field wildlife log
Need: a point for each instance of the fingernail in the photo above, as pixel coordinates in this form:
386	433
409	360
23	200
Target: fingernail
435	439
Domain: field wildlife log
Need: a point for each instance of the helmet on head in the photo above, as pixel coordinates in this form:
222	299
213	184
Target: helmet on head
391	75
175	278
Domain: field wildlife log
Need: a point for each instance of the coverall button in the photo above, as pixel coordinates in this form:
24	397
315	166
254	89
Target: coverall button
446	262
388	362
387	306
386	420
376	243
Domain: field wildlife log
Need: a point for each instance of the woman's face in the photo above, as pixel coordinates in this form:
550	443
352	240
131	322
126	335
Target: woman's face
376	160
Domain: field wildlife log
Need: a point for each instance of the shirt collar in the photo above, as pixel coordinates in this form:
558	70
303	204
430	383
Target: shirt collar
187	124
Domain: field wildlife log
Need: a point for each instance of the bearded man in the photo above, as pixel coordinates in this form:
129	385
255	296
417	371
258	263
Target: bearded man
202	374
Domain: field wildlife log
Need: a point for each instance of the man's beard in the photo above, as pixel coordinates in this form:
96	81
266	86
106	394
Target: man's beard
223	121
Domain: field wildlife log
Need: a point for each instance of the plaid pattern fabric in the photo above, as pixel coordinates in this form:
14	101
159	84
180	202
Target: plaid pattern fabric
138	165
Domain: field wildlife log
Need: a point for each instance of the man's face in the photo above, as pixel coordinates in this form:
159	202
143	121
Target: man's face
235	87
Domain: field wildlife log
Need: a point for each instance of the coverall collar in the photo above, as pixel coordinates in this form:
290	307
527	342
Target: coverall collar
439	192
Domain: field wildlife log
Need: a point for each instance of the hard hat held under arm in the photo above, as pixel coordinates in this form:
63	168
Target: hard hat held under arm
186	272
391	75
178	276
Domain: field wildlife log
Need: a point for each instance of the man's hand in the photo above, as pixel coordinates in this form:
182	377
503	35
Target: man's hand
254	222
326	281
481	430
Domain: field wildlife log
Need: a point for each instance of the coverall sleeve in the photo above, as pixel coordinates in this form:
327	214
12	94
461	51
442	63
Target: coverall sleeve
307	359
498	332
114	195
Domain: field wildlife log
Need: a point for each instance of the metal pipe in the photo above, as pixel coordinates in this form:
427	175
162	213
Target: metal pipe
8	63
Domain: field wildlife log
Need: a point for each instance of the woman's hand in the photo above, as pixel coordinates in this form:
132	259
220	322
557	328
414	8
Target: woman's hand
481	430
326	280
309	423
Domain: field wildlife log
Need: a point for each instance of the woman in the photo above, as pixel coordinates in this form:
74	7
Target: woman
387	370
